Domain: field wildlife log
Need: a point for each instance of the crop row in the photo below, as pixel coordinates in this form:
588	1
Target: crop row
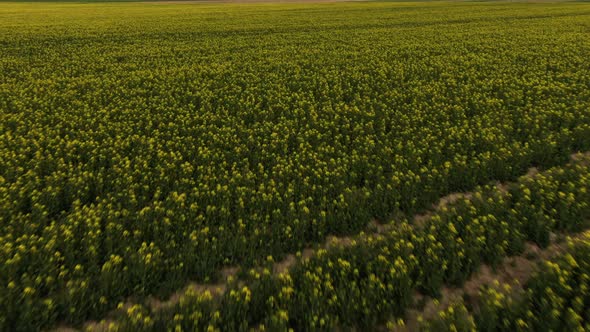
556	298
374	278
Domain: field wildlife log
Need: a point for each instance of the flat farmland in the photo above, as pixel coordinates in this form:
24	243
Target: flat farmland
305	166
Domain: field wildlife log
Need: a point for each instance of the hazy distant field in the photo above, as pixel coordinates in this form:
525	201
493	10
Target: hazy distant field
147	147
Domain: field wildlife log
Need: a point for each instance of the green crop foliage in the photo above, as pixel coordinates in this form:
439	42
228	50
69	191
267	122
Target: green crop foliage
146	145
554	299
373	279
